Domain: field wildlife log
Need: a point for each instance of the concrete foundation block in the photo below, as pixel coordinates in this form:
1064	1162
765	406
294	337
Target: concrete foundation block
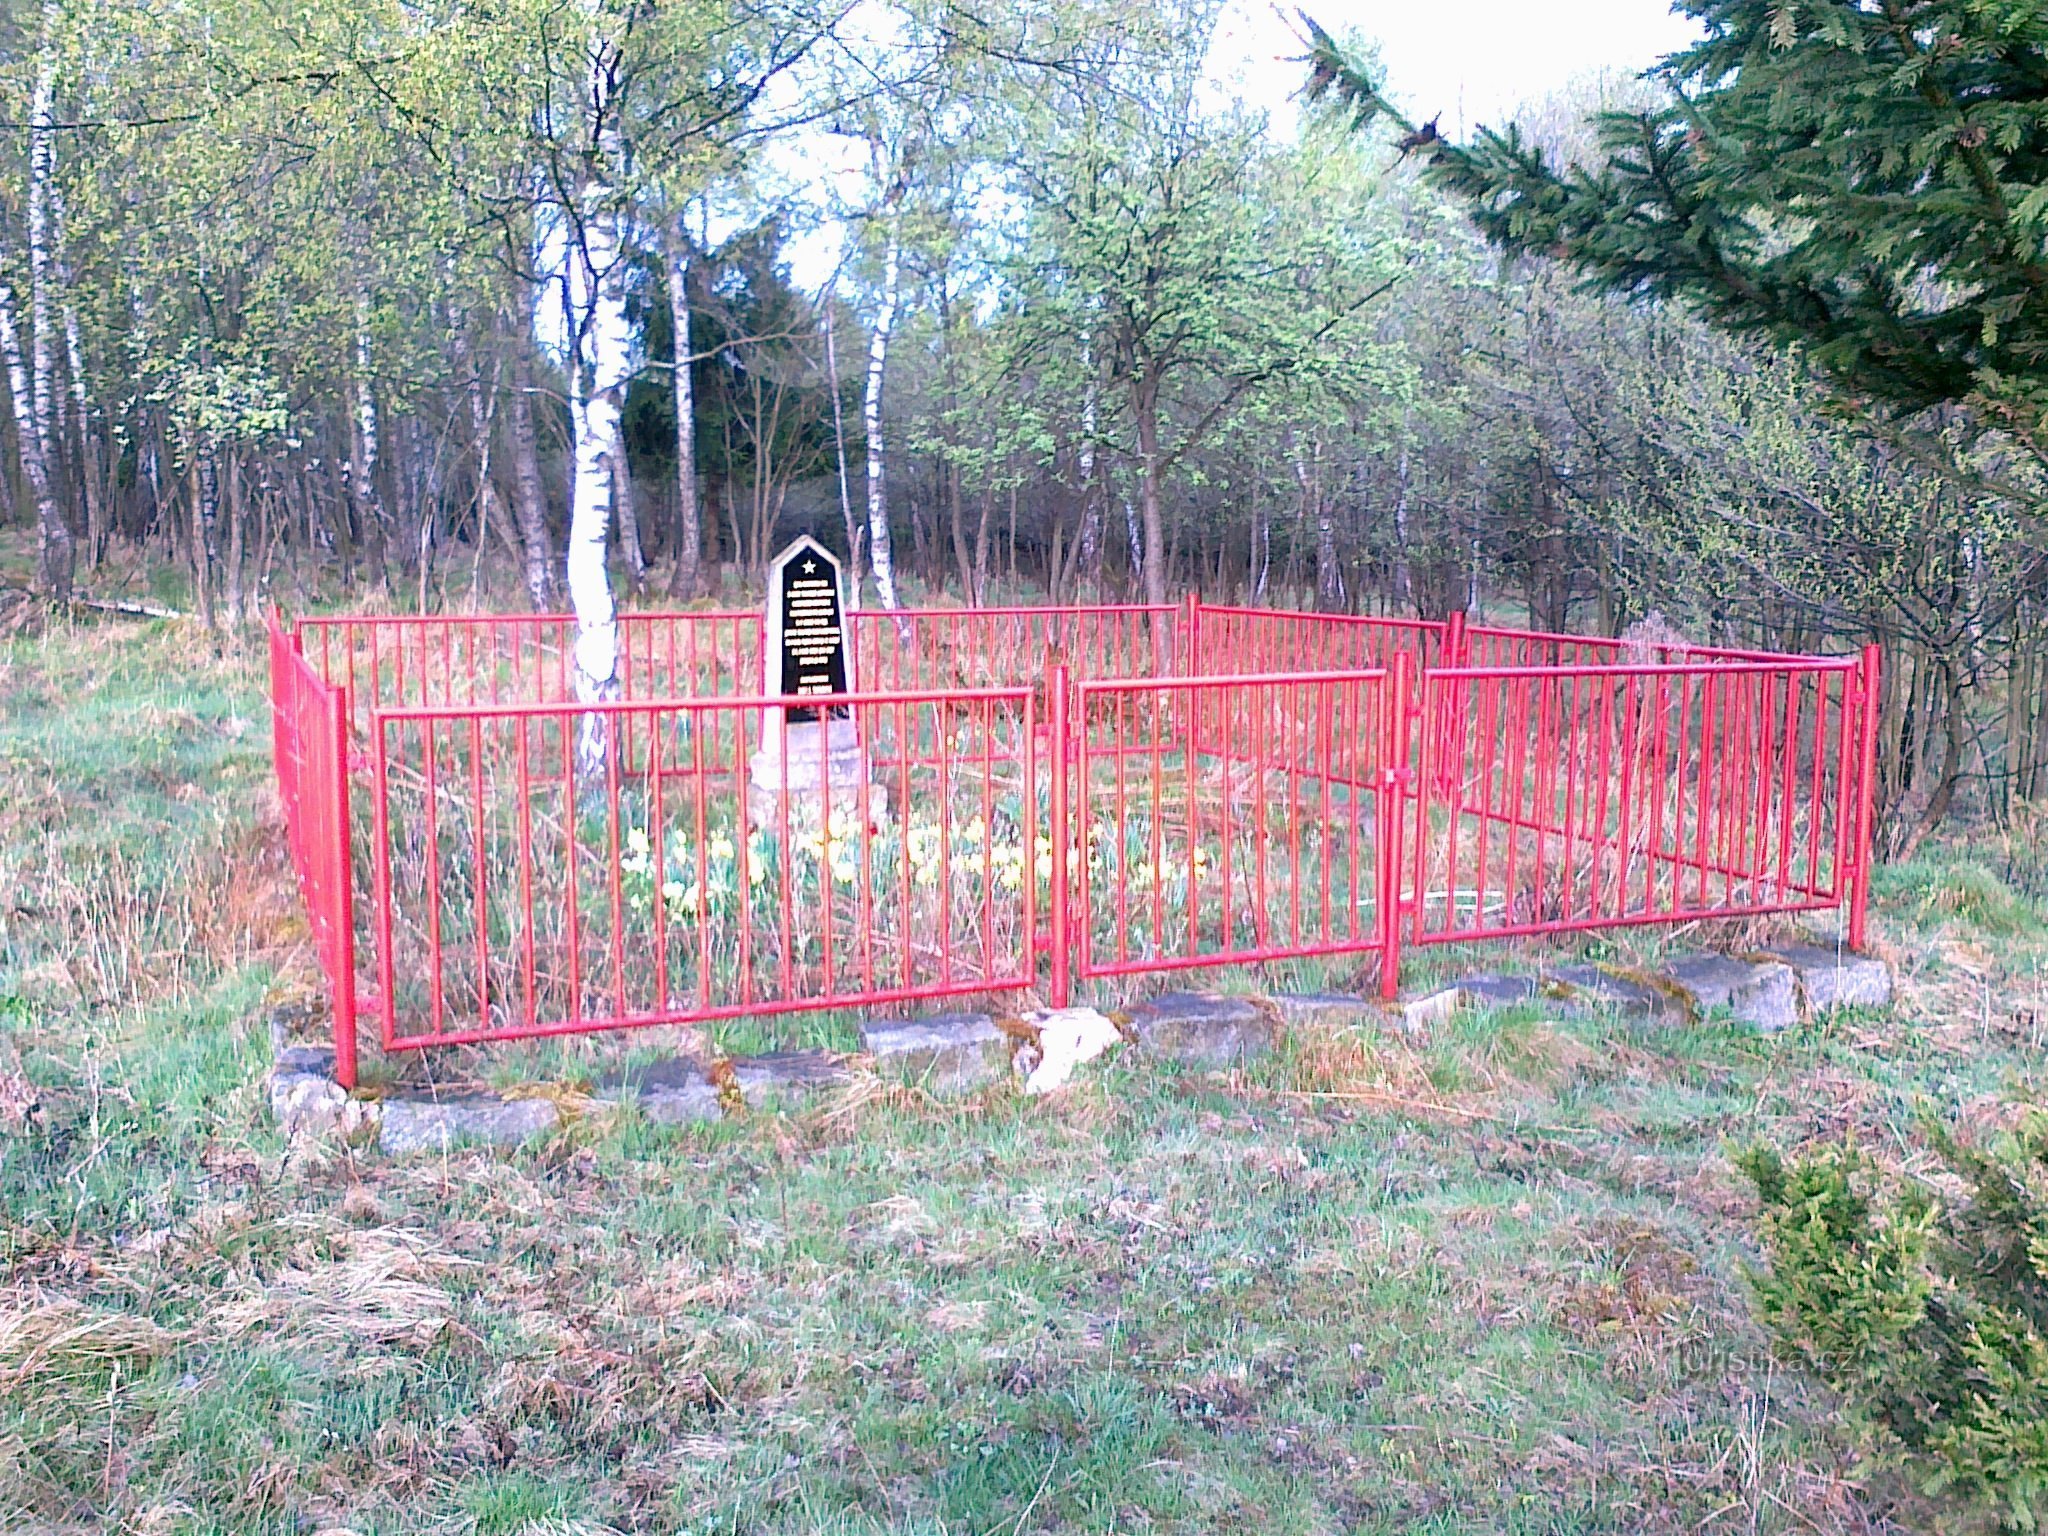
1420	1015
307	1103
669	1090
784	1078
1763	993
304	1060
1490	989
1326	1010
1202	1027
1589	986
418	1125
948	1055
1832	978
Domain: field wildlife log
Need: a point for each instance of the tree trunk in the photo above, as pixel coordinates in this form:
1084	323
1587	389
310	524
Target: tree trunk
205	525
687	581
978	582
967	565
1135	535
1089	552
880	551
238	540
599	394
528	500
41	169
363	460
1955	728
853	540
629	512
490	504
88	443
1152	553
53	537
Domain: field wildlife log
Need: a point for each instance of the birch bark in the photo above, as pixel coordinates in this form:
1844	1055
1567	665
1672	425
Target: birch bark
363	468
53	538
528	500
600	375
1090	553
628	512
688	578
880	552
41	168
853	542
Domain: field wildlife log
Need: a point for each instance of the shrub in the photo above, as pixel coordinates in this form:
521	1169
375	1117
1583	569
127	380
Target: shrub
1924	1307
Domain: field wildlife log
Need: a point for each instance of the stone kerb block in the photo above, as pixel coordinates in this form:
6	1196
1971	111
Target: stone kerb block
1594	987
948	1055
1322	1010
1763	993
1202	1027
670	1090
417	1125
1830	978
785	1077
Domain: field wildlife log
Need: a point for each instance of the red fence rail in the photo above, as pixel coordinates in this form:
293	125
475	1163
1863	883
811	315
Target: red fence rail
1121	791
1572	797
1227	820
309	724
543	869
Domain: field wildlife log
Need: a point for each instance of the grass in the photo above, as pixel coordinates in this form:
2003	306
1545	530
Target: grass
1489	1281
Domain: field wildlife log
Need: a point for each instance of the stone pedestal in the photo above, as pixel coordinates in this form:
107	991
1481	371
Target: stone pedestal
820	753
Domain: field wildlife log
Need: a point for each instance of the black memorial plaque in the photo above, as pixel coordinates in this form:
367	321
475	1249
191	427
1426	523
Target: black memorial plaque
813	638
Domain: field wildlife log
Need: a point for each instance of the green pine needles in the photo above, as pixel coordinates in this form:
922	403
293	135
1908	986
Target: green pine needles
1863	182
1924	1306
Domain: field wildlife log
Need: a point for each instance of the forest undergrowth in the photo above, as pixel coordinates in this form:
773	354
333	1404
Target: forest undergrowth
1487	1280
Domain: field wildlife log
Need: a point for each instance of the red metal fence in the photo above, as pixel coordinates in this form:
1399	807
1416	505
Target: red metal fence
309	724
1022	796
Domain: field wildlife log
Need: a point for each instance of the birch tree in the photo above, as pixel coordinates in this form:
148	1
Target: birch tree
53	538
881	547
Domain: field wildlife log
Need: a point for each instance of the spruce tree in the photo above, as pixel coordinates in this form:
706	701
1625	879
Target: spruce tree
1865	181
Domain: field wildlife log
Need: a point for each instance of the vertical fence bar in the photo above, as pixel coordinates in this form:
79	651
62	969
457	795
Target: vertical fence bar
342	946
1866	794
1062	831
1387	834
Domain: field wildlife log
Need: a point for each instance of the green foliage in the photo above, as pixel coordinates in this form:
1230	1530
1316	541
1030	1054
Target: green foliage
1925	1311
1861	181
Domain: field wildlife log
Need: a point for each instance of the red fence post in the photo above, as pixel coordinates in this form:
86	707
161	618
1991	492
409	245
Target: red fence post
1387	834
342	979
1441	724
1866	795
1062	941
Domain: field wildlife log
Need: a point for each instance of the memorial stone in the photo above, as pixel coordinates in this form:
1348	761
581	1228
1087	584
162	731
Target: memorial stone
806	653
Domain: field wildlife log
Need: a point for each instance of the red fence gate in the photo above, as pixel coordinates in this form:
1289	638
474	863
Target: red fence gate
1056	795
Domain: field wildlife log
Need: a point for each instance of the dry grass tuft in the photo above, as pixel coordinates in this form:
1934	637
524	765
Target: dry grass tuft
60	1341
381	1288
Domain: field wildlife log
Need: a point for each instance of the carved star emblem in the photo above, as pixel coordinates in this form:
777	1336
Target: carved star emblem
810	566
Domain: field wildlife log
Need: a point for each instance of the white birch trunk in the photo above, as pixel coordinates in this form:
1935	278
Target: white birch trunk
88	445
363	472
53	538
628	512
688	580
41	169
880	553
1404	585
853	543
1134	533
1090	555
600	375
527	495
